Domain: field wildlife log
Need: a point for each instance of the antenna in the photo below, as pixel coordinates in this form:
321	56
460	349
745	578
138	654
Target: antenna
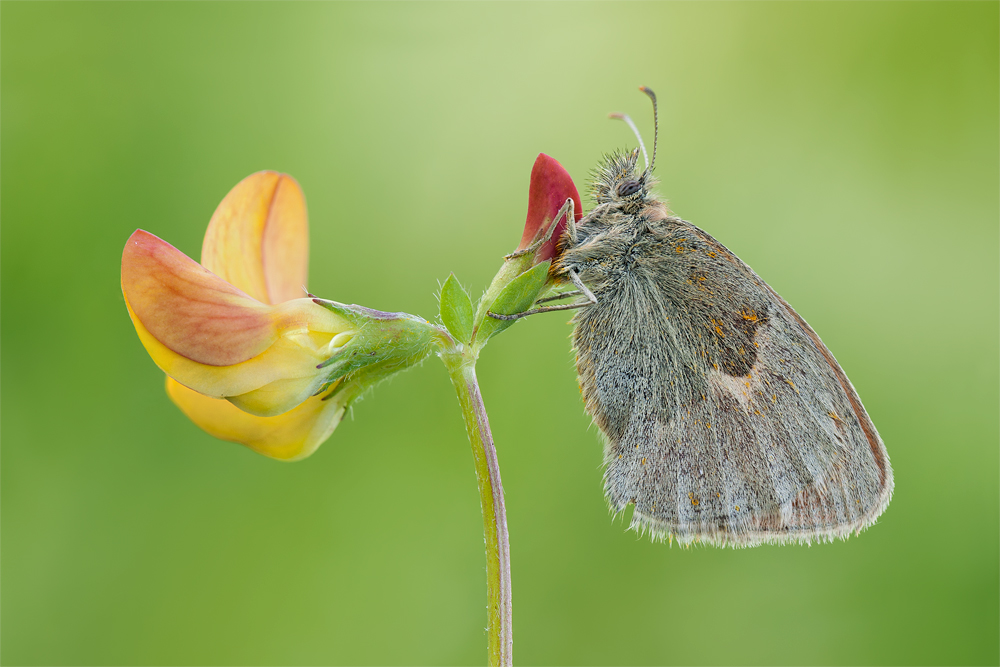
624	117
656	127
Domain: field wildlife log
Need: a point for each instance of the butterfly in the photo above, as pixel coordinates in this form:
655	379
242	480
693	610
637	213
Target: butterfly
726	420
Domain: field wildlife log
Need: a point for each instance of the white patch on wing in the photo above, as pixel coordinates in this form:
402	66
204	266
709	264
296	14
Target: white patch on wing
740	388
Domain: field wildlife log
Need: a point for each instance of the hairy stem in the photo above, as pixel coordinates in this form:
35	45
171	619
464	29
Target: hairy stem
499	612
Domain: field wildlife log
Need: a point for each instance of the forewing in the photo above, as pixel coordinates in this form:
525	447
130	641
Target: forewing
726	419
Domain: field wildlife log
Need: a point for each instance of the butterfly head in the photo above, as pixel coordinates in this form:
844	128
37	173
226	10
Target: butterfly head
616	181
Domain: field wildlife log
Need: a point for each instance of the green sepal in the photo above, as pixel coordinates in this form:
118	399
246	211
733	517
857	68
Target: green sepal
517	297
384	344
456	310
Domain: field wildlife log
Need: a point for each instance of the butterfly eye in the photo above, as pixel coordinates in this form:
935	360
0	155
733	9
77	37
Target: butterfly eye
628	188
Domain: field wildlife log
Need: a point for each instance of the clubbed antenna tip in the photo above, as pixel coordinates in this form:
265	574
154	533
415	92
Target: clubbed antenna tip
656	125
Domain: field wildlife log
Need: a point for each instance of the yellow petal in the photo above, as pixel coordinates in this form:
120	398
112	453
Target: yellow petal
290	436
258	238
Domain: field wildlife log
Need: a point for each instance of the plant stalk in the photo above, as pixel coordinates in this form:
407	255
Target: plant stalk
499	611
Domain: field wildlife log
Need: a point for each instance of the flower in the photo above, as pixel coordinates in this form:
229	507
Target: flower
524	275
550	187
246	360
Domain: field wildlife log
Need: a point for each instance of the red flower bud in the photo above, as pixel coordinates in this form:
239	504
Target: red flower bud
550	187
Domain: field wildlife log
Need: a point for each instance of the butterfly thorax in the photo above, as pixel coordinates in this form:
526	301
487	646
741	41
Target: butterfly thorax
624	208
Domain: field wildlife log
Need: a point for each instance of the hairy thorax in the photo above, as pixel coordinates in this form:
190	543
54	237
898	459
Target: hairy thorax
663	284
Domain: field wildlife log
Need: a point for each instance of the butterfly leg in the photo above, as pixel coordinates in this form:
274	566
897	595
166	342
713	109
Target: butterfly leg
575	277
543	236
561	295
571	224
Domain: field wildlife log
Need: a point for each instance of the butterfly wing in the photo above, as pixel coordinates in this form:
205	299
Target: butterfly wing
726	419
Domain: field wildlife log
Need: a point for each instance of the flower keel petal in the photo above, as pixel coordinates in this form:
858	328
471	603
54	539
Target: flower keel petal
290	436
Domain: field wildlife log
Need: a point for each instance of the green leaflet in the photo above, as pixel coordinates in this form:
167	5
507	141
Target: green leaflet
456	310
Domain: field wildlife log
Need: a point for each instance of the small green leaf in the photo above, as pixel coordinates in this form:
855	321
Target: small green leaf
516	297
456	310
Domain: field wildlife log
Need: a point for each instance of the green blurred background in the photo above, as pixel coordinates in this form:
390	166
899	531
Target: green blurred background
848	152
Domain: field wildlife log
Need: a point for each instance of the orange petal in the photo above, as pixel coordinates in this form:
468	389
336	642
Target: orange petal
290	436
190	310
258	238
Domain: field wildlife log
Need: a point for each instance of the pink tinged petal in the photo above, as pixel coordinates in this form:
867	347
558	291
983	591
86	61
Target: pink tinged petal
258	238
215	339
550	187
189	309
290	436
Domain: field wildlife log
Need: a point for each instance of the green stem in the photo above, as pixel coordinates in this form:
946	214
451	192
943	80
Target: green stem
462	370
